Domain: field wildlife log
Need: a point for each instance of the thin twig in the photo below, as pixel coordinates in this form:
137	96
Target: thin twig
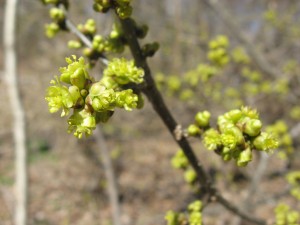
238	211
72	28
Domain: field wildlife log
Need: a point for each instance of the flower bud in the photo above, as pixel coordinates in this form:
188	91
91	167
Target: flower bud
253	127
244	157
57	14
193	130
202	119
75	94
190	176
78	78
74	44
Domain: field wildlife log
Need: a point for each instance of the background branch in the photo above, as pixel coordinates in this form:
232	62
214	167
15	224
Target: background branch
10	68
255	54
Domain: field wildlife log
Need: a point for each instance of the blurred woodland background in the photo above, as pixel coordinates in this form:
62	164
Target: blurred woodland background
66	177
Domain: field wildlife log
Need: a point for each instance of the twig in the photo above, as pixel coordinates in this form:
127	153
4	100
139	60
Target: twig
112	189
71	27
258	174
255	54
10	64
238	211
154	96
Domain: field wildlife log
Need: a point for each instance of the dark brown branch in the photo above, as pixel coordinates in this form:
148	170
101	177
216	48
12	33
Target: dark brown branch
154	96
158	104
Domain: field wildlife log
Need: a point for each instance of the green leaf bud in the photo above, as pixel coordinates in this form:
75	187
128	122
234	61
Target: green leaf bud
253	127
193	130
244	157
150	49
141	31
202	119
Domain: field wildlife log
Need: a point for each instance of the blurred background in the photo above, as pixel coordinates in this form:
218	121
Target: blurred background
66	177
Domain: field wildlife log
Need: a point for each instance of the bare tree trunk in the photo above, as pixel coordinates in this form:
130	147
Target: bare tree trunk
10	64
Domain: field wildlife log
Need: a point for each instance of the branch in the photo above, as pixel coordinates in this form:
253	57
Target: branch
72	28
237	211
255	54
112	188
10	64
154	96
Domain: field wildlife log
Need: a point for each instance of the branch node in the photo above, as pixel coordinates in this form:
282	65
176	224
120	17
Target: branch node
178	132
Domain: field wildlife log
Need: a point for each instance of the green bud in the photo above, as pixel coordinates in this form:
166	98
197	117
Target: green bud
234	115
172	218
124	72
74	44
124	11
190	176
212	139
253	127
57	14
244	157
193	130
179	160
202	119
140	103
78	78
81	122
75	94
126	99
141	31
265	142
150	49
104	100
51	29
